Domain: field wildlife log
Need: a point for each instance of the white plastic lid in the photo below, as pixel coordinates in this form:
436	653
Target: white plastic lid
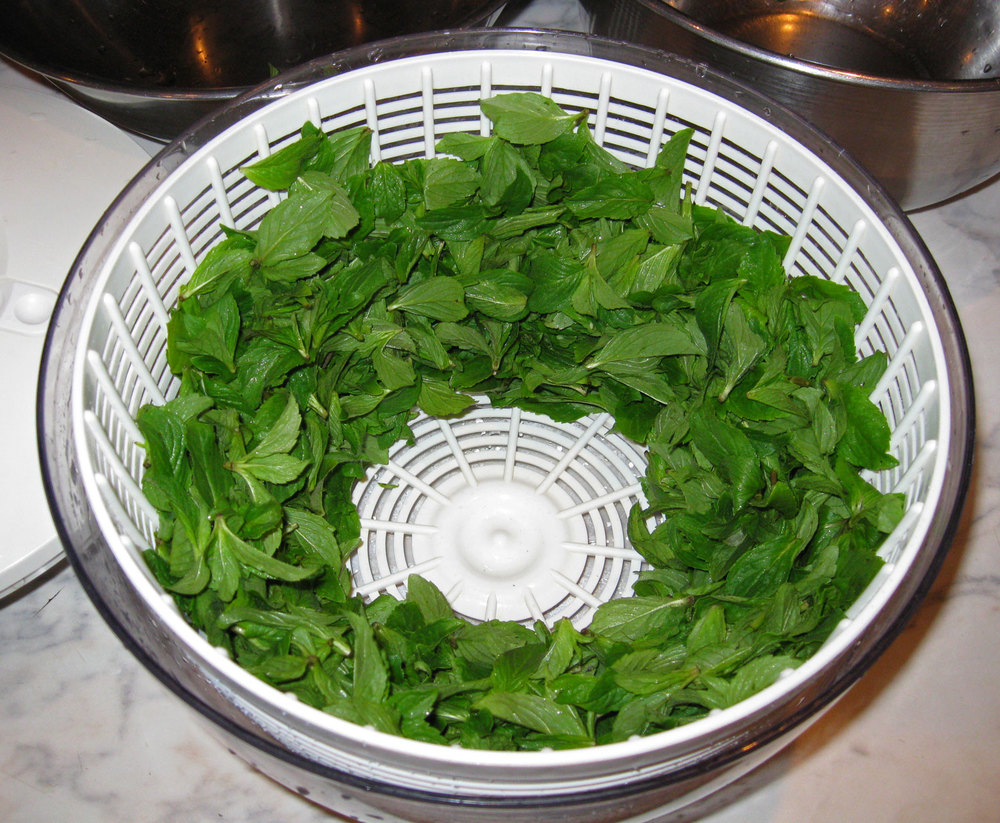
60	168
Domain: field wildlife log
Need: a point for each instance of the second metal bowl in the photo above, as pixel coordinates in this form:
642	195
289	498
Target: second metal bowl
911	89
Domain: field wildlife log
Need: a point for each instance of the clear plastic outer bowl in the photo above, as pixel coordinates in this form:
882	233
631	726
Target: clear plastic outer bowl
105	356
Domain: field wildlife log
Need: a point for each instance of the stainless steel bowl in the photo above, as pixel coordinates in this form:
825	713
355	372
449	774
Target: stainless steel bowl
155	68
910	88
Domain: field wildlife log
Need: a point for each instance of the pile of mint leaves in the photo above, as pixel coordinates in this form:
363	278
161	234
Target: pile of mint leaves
534	268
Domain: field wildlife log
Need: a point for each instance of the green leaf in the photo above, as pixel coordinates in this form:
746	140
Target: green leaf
555	280
370	677
731	453
499	293
513	668
463	337
204	338
666	225
461	222
316	534
709	630
865	442
535	712
656	269
394	372
283	435
766	565
648	340
620	197
292	228
739	349
341	216
527	118
224	263
255	560
464	146
279	170
388	192
438	399
281	668
432	603
758	674
595	293
632	618
439	298
482	643
350	153
673	153
618	251
447	182
711	309
560	652
507	178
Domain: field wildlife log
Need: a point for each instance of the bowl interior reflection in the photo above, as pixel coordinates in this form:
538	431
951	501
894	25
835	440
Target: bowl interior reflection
206	44
923	40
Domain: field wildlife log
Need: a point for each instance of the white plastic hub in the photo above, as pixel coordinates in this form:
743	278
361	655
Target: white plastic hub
498	531
512	515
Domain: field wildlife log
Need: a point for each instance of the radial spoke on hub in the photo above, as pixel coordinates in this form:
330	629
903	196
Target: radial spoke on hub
416	482
597	550
581	443
511	457
457	453
575	590
382	583
603	500
396	526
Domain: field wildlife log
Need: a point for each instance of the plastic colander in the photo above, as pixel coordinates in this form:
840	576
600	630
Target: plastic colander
513	515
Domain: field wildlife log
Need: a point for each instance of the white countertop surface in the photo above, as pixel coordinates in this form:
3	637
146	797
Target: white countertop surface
87	734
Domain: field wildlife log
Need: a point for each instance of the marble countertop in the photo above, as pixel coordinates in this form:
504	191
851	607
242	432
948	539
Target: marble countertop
88	735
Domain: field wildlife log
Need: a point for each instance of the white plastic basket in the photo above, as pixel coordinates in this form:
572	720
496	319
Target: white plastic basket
106	357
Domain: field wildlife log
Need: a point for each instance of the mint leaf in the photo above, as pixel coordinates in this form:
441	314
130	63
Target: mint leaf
865	443
535	712
448	182
224	263
204	338
283	435
649	340
279	170
620	197
440	400
525	118
439	298
633	618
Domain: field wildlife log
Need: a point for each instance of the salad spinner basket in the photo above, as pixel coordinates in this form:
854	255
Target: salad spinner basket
495	477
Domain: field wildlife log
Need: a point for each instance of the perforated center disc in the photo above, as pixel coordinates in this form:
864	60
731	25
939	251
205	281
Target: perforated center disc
512	515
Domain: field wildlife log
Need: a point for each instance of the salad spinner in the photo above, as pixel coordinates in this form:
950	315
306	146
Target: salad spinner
494	478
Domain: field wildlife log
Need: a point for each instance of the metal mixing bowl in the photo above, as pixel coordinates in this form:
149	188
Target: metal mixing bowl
156	68
910	88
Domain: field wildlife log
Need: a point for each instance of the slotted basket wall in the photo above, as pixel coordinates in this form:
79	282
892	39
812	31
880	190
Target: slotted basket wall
106	356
